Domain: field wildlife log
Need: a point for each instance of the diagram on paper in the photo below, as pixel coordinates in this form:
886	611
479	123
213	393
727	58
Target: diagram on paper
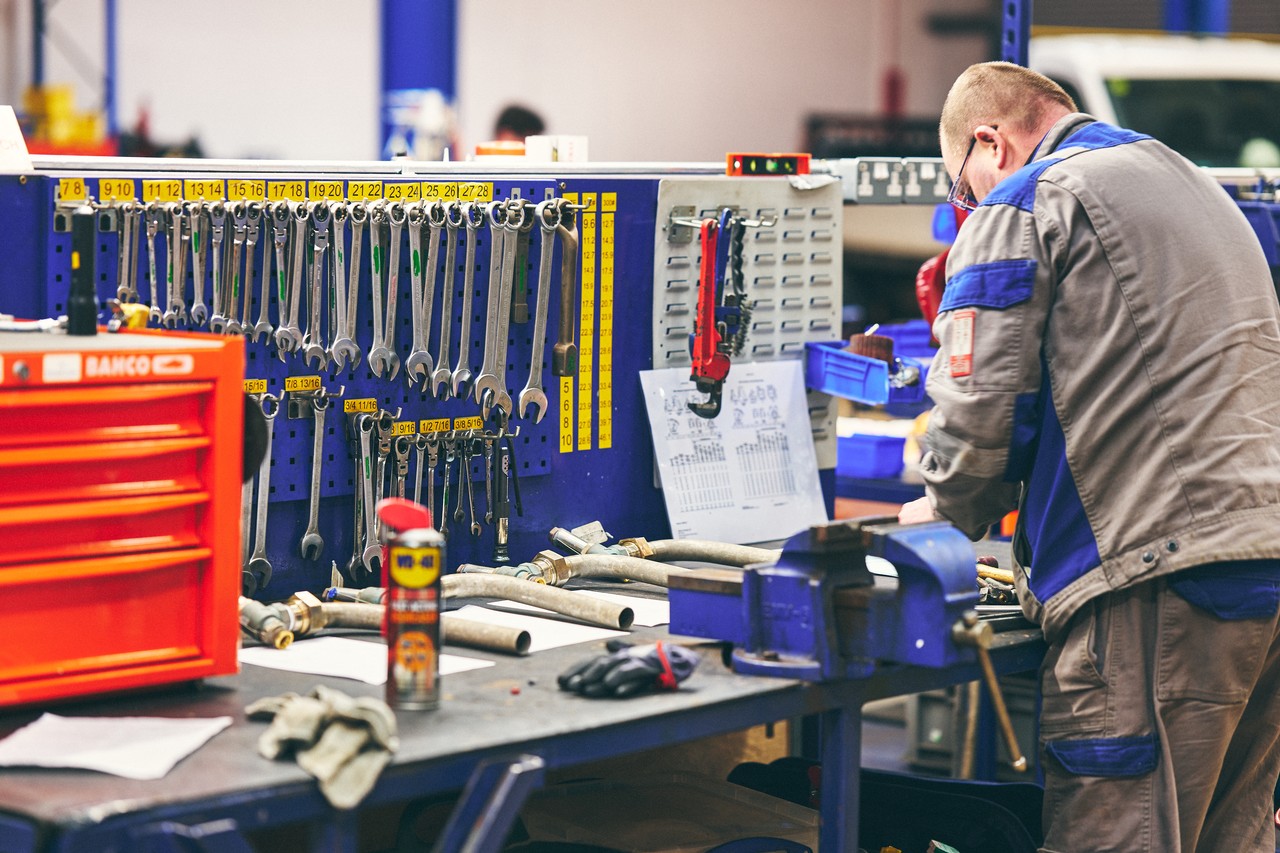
748	475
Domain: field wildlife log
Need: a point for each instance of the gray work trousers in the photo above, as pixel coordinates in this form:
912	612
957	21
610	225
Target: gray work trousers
1160	728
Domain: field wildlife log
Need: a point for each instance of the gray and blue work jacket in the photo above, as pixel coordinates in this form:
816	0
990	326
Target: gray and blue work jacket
1110	366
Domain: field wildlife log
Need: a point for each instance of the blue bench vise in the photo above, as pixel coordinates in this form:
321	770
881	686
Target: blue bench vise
819	614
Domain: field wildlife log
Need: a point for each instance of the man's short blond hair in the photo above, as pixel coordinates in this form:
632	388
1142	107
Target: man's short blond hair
998	93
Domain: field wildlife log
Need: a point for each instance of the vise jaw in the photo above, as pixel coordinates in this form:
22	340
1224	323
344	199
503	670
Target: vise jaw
819	614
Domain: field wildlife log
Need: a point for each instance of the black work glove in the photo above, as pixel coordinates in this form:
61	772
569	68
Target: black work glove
626	670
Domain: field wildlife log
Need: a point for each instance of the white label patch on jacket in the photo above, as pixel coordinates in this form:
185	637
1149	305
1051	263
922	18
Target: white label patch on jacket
962	342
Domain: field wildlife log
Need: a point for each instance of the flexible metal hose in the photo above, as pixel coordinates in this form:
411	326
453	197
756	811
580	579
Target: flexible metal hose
706	551
585	607
619	568
457	632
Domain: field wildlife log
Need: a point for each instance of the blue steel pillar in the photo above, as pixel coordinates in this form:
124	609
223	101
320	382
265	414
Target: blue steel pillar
109	105
1203	17
1015	30
419	53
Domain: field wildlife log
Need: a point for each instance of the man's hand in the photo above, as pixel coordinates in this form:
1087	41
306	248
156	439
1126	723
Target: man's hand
917	511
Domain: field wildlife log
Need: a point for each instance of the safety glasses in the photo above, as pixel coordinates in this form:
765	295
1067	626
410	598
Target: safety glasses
963	199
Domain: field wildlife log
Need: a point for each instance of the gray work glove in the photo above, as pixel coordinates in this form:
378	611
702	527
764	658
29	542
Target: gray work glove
342	741
627	670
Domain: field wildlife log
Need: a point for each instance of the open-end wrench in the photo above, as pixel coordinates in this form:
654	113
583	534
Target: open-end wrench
396	216
199	310
154	216
385	423
450	448
239	214
547	214
125	291
312	543
258	573
176	309
359	215
342	349
417	367
370	557
442	375
379	353
313	342
253	229
288	336
272	248
471	488
217	234
564	355
474	217
135	235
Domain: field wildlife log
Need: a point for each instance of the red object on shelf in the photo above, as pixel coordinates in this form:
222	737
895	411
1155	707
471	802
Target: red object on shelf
120	463
766	165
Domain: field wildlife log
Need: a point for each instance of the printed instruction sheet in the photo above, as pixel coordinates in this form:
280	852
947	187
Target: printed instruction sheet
748	475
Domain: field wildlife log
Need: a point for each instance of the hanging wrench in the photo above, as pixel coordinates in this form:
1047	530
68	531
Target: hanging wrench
272	242
313	342
449	447
178	238
515	255
417	367
496	213
288	336
420	454
126	262
474	216
312	543
564	355
258	573
380	354
154	217
253	228
396	215
343	348
239	233
471	490
199	311
217	234
403	445
440	379
433	459
359	215
370	558
548	215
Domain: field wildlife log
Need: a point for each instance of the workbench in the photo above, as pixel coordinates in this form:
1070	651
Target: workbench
498	731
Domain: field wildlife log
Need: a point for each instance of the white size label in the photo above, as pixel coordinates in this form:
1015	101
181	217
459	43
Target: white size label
61	367
962	342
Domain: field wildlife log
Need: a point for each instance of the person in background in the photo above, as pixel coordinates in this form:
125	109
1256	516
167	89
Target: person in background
1110	339
516	122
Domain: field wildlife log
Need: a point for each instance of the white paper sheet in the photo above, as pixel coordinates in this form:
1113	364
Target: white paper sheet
748	475
648	611
343	657
543	633
133	747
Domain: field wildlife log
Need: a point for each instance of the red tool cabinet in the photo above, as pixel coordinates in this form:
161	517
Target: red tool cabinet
120	461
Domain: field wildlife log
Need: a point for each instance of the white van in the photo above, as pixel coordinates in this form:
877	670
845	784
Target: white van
1214	100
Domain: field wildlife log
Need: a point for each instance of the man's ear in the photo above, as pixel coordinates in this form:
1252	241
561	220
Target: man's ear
989	135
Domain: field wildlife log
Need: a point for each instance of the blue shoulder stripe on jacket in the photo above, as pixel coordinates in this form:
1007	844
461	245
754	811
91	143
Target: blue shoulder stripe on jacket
1019	189
998	285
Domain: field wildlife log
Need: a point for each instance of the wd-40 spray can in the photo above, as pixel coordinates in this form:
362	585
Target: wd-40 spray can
415	560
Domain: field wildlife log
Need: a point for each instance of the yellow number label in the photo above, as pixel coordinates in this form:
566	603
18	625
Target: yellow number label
404	428
434	191
162	190
468	423
433	425
72	189
402	192
286	190
325	190
255	386
302	383
364	190
240	189
566	414
361	404
475	192
608	202
117	189
208	190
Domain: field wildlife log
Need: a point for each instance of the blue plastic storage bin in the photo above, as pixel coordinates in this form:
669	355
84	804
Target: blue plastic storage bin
869	457
912	339
832	369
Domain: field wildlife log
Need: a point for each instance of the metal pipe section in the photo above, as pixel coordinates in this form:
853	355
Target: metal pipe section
706	551
583	607
619	568
456	632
